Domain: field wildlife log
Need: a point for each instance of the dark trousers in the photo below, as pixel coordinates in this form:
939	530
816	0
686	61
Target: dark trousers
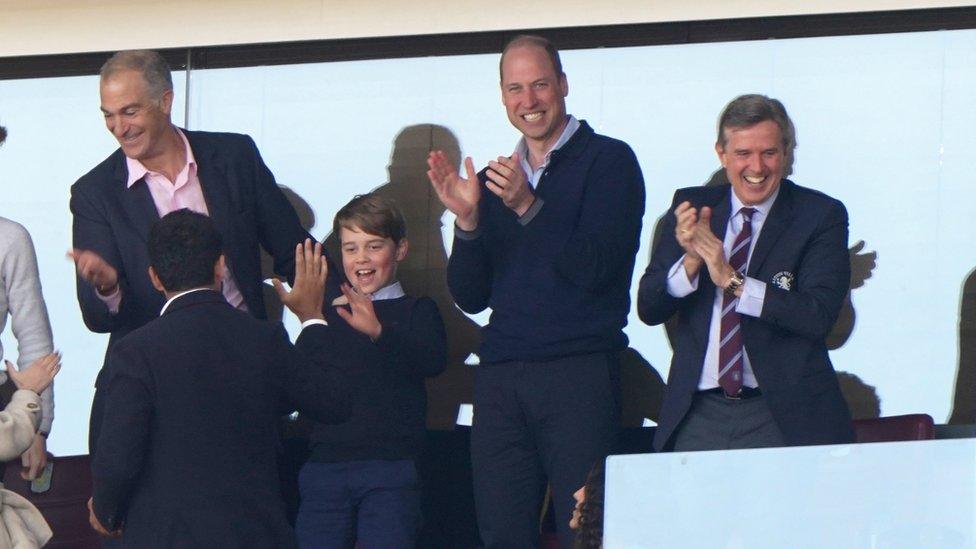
366	504
533	422
715	422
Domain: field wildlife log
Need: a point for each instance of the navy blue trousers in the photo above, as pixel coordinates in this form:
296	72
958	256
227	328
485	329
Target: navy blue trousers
536	422
366	504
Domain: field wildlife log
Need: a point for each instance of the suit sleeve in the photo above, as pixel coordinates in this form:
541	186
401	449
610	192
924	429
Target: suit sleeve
607	235
307	380
469	269
420	347
123	440
654	304
279	228
822	281
90	230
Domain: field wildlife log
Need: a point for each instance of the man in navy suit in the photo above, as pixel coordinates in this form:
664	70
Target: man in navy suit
186	456
160	168
754	274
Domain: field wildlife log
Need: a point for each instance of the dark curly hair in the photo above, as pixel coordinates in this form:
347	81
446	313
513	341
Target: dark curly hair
590	535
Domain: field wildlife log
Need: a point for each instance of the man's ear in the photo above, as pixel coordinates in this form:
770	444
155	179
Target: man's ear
720	151
166	102
156	282
219	270
401	250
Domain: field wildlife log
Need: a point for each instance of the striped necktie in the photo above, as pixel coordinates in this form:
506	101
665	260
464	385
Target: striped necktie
730	359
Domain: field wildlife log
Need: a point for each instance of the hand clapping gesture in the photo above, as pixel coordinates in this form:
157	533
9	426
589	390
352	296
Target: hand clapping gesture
459	195
38	375
506	178
308	293
360	315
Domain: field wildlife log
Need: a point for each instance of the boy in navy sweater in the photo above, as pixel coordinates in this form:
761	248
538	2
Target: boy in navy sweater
360	486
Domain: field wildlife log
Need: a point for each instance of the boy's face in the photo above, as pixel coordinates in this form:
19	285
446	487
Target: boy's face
369	260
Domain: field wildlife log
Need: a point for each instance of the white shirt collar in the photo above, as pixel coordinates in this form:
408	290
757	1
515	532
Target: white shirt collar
179	295
762	209
572	124
392	291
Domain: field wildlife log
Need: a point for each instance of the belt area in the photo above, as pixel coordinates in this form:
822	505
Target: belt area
744	394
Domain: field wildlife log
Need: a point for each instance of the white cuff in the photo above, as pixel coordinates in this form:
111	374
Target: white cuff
752	298
112	300
314	321
678	284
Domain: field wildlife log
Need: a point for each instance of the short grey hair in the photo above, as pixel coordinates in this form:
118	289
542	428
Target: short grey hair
748	110
153	68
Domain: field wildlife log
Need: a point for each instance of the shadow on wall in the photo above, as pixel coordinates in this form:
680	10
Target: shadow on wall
964	399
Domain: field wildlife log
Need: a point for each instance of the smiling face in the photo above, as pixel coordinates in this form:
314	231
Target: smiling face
754	160
534	95
138	121
369	260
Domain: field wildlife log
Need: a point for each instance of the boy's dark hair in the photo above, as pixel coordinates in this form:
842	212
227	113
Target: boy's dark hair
183	248
374	214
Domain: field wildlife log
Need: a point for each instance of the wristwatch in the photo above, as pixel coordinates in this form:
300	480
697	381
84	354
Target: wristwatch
736	280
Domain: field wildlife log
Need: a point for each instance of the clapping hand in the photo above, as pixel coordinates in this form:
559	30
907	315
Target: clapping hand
361	315
458	194
308	292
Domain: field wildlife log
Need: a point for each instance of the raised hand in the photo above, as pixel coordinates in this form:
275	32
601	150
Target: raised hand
506	178
711	249
38	375
95	270
360	315
459	195
308	292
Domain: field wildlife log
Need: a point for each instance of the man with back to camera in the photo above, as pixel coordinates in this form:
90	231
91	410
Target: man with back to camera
755	273
186	456
160	168
546	238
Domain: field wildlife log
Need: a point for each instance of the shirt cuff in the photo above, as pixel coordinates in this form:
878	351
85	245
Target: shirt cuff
533	210
467	235
313	322
112	300
752	298
678	283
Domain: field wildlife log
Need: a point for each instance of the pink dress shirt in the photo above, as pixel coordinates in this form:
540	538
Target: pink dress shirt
169	196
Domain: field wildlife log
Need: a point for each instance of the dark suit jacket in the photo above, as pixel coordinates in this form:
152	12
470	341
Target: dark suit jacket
187	452
114	221
805	237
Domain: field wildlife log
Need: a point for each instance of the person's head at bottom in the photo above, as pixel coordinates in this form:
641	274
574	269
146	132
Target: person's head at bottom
587	517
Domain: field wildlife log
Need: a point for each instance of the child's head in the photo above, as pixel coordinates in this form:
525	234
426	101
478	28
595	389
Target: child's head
373	238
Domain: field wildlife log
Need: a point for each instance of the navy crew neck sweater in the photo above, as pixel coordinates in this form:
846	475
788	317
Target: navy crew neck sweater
558	284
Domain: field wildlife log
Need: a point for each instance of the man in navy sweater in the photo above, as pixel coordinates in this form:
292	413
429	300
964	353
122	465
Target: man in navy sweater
546	238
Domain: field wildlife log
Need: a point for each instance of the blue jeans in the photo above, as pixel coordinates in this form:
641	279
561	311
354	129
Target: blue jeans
366	504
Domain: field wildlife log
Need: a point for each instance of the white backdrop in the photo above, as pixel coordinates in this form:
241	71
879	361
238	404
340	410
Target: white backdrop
884	124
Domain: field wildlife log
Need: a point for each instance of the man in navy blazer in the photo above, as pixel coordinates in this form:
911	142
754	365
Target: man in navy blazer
157	169
186	456
750	366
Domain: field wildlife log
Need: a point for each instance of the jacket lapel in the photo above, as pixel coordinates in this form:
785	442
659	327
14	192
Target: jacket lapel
774	227
137	201
213	180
